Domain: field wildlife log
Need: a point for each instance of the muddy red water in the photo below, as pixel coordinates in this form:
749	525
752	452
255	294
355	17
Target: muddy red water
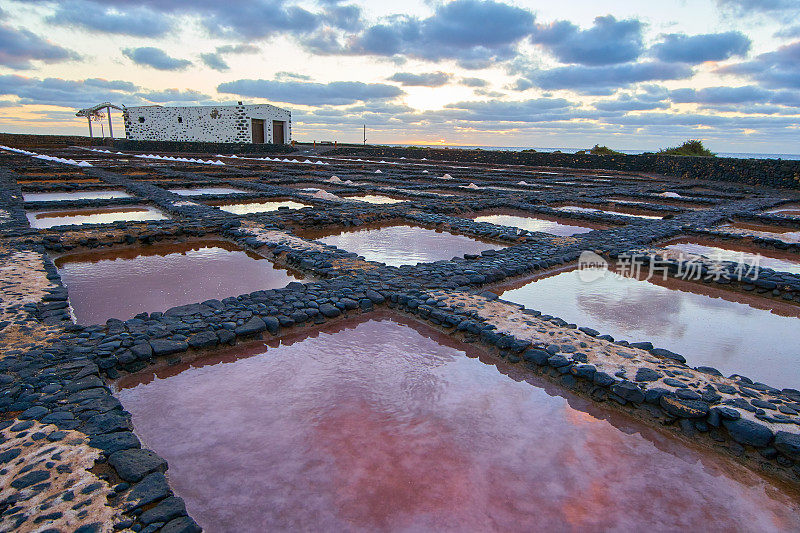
122	283
386	426
549	225
73	195
731	331
404	245
749	255
104	215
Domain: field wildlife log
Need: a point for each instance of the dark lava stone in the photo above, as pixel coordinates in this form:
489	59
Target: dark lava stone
647	374
683	408
746	431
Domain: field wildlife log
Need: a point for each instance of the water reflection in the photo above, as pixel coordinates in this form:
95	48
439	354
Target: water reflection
406	245
708	326
106	215
260	206
775	260
206	190
375	199
382	426
542	224
73	195
617	211
121	283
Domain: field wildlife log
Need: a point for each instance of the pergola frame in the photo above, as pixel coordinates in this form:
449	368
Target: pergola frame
90	112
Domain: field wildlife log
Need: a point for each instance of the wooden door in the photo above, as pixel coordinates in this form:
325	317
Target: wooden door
277	132
258	131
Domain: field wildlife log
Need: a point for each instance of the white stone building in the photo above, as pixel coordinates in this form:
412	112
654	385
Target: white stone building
258	123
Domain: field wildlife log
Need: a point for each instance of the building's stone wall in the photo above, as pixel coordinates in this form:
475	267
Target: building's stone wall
217	124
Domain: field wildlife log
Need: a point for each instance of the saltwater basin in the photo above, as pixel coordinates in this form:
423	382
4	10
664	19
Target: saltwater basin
375	199
105	215
733	332
259	206
122	283
73	195
616	211
767	231
791	210
201	191
774	259
403	245
549	225
384	425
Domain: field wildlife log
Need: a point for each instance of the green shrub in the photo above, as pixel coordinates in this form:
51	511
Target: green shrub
692	147
603	150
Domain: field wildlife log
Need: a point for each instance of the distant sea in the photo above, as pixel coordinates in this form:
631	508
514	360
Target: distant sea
738	155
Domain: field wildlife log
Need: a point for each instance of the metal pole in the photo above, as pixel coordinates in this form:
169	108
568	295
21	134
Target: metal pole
110	130
89	118
365	134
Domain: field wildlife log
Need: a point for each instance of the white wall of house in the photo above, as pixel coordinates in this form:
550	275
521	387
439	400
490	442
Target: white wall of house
222	124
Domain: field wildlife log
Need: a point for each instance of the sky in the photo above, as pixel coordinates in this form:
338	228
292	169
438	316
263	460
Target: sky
626	74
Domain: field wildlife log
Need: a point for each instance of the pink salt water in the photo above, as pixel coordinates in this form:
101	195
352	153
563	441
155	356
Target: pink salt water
733	332
405	245
384	425
774	259
200	191
105	215
122	283
259	206
538	223
74	195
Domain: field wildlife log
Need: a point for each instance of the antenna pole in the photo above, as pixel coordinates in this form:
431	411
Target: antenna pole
365	134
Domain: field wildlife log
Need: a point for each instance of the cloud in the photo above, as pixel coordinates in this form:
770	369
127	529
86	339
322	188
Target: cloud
67	93
697	49
306	93
602	80
175	95
214	61
346	17
18	47
779	69
155	57
475	33
474	82
426	79
634	102
536	110
746	94
607	42
781	9
137	21
789	32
